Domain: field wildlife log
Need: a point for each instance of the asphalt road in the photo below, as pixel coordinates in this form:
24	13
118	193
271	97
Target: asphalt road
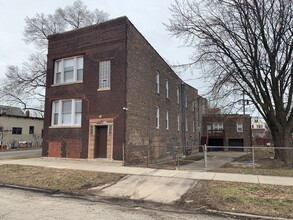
16	153
21	204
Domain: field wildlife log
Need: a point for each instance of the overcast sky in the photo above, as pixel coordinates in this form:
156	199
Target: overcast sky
147	15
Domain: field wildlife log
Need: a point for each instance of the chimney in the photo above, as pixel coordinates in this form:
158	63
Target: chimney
27	113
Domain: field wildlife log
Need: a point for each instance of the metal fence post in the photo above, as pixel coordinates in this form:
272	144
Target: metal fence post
205	158
253	162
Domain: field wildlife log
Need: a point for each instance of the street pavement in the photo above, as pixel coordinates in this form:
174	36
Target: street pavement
17	153
22	204
147	184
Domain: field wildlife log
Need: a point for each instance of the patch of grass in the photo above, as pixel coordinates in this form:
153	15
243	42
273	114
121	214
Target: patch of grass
269	200
63	180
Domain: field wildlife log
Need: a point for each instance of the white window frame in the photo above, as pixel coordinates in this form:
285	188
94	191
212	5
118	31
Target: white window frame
167	120
178	122
178	95
62	72
167	88
218	126
239	127
158	82
157	117
58	111
105	75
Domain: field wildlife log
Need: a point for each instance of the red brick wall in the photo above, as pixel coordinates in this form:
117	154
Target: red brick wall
95	43
54	149
143	62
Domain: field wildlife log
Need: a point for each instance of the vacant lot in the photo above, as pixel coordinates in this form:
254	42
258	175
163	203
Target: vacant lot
265	164
268	200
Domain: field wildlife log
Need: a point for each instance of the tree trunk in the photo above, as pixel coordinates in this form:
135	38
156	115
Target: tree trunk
284	140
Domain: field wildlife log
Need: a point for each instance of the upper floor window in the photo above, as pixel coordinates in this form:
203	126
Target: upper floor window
167	88
158	82
104	74
178	94
66	112
186	101
239	127
167	120
218	126
68	70
158	117
178	122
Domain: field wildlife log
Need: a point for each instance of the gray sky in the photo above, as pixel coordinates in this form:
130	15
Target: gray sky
147	15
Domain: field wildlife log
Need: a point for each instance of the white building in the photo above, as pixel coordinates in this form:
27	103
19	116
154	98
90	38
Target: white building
18	128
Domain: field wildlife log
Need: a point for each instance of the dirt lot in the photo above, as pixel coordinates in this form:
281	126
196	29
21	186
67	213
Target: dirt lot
268	200
224	196
265	164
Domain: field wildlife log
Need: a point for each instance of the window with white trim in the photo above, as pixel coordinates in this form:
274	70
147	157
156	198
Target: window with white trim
193	125
239	127
167	120
186	101
68	70
158	117
167	88
178	122
218	126
104	74
158	82
178	95
66	112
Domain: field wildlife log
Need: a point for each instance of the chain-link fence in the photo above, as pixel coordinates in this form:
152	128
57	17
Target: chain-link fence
234	159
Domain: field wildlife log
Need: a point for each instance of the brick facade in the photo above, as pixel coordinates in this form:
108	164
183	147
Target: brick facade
230	135
128	109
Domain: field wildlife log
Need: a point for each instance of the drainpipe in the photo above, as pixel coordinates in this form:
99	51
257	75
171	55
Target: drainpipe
183	109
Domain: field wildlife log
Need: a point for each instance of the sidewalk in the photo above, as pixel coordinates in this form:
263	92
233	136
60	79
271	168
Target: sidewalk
116	167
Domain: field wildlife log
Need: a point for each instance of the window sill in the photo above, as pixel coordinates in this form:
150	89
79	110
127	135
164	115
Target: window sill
67	83
104	89
65	126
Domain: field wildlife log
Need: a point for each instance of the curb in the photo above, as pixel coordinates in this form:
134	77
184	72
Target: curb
38	190
143	204
243	215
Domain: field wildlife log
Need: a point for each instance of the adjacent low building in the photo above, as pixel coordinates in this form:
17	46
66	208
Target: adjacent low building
18	128
226	131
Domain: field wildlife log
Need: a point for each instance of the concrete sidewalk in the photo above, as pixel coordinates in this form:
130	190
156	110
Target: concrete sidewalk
116	167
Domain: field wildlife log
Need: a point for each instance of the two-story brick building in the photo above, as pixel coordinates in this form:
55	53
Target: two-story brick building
226	131
109	94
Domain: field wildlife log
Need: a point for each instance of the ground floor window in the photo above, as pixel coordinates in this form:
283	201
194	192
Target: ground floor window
16	130
66	112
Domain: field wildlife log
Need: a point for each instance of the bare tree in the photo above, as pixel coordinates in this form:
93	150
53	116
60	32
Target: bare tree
247	46
26	85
